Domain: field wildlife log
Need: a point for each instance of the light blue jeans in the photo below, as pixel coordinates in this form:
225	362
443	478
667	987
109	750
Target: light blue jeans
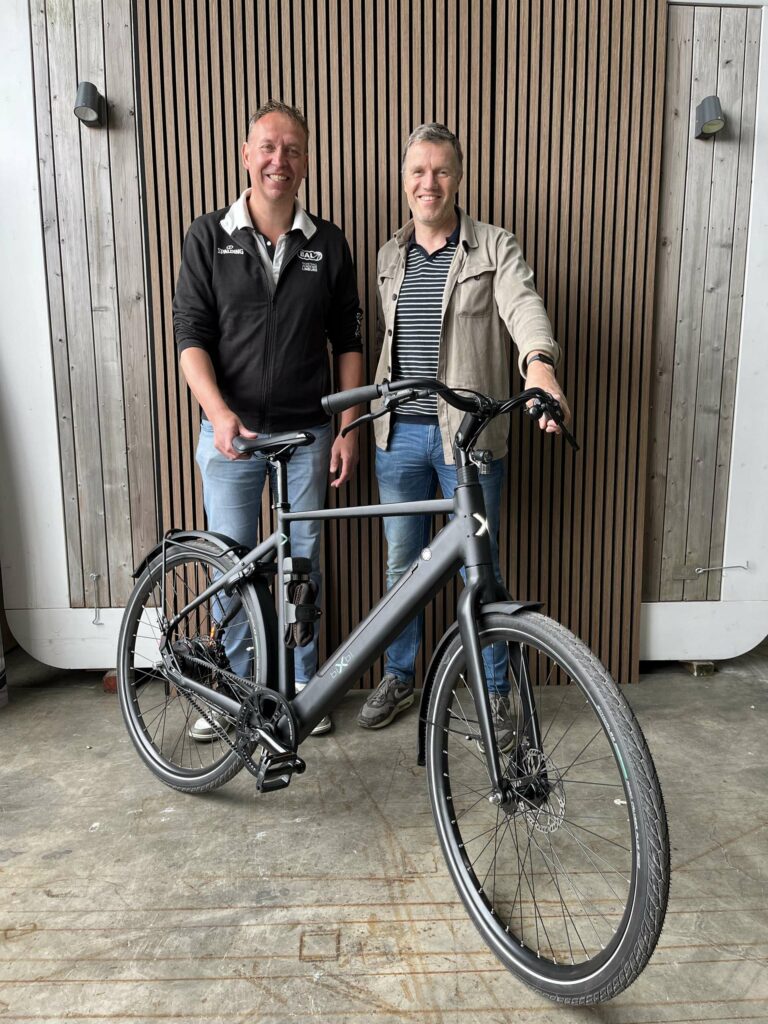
232	495
410	470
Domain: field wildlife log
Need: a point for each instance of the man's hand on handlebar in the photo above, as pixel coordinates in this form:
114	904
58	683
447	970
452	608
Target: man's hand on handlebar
540	375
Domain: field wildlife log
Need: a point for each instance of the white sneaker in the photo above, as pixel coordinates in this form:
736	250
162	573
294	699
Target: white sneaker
326	722
202	731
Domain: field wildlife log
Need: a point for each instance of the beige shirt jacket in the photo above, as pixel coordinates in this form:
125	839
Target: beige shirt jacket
489	298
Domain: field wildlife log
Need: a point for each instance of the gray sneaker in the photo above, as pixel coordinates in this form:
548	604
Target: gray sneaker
389	698
503	723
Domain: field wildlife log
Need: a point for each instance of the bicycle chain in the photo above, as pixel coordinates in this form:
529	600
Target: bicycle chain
207	714
241	741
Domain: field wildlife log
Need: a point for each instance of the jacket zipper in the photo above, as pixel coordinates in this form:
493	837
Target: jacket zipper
271	319
266	362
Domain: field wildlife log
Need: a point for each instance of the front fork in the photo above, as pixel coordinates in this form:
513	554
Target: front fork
466	615
503	789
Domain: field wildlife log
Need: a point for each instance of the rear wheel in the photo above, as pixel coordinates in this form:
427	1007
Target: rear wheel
220	633
567	881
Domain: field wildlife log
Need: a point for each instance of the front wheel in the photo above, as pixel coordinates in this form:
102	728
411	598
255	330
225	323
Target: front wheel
567	880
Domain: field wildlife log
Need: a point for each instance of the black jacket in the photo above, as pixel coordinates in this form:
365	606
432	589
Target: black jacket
268	343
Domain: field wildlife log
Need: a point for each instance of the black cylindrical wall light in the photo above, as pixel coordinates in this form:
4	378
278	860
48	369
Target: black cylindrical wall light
709	117
90	105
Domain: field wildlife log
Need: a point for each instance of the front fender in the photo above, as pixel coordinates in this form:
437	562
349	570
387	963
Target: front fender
508	608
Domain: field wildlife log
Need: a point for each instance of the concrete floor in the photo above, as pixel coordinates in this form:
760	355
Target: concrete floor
122	900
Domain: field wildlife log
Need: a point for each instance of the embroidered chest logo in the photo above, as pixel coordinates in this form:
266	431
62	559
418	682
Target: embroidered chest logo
309	259
230	251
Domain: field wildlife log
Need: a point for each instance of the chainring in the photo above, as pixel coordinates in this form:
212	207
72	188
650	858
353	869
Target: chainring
262	709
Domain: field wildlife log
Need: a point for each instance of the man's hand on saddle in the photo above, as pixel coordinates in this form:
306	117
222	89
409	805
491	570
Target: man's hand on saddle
226	426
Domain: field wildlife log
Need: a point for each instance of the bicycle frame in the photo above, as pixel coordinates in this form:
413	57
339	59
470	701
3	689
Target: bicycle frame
463	542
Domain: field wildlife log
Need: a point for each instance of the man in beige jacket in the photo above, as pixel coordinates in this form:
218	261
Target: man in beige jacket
452	293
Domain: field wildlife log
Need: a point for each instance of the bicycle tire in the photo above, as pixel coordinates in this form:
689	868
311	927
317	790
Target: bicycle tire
570	889
158	715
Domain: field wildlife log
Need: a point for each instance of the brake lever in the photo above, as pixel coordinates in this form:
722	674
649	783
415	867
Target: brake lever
365	418
555	412
389	400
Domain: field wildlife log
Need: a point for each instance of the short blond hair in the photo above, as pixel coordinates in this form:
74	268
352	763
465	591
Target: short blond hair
278	107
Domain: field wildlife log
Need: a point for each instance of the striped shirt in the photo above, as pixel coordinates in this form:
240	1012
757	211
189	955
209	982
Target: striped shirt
418	319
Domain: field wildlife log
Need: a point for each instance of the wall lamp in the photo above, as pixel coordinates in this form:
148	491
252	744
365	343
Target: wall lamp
90	105
709	117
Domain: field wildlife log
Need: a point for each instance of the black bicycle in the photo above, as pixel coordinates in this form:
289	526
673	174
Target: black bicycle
557	844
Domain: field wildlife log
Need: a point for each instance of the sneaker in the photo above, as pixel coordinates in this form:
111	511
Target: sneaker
203	731
324	725
503	723
390	697
326	722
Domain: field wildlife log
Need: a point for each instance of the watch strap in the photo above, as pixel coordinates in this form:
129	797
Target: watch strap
541	358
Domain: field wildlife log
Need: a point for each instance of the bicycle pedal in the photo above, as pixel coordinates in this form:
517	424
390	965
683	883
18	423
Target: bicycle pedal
275	770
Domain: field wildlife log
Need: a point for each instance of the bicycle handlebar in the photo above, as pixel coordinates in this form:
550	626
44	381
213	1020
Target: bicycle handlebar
399	392
342	400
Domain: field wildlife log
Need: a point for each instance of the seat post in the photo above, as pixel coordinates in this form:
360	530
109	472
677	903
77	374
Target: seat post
285	663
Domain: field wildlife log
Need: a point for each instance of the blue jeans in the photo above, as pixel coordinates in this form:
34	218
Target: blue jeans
410	470
232	495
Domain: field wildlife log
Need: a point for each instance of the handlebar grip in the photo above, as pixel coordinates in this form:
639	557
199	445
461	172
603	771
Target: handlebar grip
342	400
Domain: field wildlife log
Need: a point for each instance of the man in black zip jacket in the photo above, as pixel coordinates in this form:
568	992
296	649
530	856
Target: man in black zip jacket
263	288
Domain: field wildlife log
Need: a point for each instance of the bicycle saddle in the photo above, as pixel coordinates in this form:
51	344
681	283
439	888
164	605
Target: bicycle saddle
272	445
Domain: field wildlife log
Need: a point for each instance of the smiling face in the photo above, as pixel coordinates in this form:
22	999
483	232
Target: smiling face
431	178
275	156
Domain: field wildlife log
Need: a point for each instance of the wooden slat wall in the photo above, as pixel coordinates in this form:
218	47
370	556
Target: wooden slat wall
91	213
548	98
706	187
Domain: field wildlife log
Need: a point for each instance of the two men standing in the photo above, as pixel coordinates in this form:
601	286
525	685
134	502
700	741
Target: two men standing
263	286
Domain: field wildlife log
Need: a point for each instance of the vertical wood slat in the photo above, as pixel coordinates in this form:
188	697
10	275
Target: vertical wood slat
108	417
56	303
131	300
735	297
714	314
77	300
674	158
689	313
545	120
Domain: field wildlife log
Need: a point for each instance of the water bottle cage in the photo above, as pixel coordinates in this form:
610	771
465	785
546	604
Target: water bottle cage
301	612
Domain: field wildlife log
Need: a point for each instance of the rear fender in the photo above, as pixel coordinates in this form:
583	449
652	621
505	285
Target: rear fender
222	543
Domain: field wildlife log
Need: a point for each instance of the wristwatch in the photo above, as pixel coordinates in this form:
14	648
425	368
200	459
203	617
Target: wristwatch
541	358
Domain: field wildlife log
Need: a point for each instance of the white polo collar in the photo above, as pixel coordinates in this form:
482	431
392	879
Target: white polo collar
238	216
